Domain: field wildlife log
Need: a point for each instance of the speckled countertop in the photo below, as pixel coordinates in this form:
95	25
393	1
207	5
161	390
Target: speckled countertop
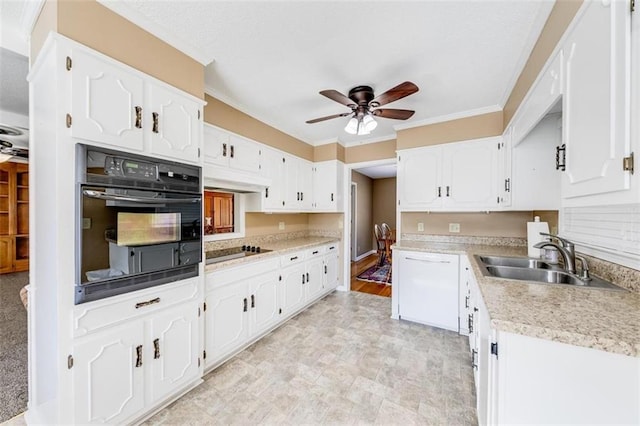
594	318
278	248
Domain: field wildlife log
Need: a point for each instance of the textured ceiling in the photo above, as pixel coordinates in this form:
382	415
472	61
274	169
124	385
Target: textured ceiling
14	89
381	171
271	58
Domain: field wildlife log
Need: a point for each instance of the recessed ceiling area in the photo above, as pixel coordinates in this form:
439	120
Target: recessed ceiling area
271	58
381	171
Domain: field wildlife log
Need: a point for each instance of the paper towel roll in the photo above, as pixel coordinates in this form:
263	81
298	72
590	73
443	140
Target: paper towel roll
533	236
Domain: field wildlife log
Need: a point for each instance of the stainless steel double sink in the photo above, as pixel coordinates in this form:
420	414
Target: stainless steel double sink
528	269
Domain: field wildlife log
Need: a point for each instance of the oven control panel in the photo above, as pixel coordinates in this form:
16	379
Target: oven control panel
128	168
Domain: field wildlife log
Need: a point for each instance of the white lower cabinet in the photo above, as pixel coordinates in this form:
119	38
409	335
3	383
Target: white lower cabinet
527	380
107	380
119	372
242	303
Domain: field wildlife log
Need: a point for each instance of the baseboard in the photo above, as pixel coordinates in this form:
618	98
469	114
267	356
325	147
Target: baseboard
369	253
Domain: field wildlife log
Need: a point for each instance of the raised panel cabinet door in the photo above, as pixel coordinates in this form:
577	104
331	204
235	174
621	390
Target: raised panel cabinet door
315	276
419	179
325	186
305	184
174	347
272	166
596	102
175	126
291	185
106	102
263	302
108	377
6	254
226	320
505	179
215	146
330	272
471	174
244	155
291	295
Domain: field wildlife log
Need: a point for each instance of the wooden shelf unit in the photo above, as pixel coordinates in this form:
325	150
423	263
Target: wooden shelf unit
14	217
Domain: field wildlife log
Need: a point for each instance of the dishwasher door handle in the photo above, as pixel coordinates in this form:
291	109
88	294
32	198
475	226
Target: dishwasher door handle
427	260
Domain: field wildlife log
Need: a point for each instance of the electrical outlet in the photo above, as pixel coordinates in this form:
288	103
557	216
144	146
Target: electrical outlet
281	226
86	223
454	227
420	226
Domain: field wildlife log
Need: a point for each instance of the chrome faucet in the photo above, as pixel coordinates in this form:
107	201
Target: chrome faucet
566	249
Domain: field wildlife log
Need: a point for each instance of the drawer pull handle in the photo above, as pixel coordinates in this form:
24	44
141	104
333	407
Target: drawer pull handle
302	278
293	258
138	117
224	149
332	247
307	277
315	252
147	303
231	148
447	190
244	308
156	349
253	301
138	356
466	302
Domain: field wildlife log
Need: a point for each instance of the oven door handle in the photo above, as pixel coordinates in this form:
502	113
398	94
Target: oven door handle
104	196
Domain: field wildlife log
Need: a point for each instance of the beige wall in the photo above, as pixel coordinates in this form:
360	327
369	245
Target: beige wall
478	126
332	151
265	224
364	213
90	23
494	224
371	152
222	115
326	221
384	201
561	15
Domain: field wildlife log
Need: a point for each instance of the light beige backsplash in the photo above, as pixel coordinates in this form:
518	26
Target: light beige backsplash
265	224
493	224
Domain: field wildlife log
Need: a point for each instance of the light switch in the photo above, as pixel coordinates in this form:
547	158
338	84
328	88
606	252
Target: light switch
420	226
86	223
454	227
281	226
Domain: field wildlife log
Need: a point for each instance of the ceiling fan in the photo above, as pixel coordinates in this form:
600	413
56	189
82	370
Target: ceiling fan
362	102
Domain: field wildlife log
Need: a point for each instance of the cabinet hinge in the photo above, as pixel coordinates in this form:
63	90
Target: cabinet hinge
204	354
70	362
69	63
69	120
498	200
198	312
494	349
204	306
280	311
198	114
399	158
198	361
498	146
279	277
198	152
627	163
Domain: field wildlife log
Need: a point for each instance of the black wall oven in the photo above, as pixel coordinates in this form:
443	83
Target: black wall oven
139	223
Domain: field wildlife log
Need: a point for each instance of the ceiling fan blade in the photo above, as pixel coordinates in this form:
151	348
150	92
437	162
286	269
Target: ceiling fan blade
334	95
396	114
328	117
400	91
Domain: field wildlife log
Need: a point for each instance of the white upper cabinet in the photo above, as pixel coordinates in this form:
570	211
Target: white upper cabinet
596	103
505	179
175	125
225	149
457	176
106	102
470	174
273	167
419	178
327	186
117	106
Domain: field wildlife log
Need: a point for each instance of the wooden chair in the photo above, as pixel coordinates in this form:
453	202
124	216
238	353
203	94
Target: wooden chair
380	244
388	240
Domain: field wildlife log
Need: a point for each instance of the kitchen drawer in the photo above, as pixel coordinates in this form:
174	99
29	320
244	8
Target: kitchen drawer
222	277
97	315
292	258
315	252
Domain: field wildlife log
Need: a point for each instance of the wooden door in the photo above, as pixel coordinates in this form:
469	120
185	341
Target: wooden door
222	212
6	254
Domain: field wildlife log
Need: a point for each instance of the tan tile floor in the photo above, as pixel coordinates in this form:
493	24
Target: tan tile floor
342	361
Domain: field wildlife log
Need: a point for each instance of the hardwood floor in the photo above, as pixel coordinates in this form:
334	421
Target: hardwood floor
363	286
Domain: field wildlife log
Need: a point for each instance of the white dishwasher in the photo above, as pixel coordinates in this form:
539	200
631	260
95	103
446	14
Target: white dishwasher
427	288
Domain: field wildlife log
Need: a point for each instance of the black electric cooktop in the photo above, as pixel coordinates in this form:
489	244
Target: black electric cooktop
215	256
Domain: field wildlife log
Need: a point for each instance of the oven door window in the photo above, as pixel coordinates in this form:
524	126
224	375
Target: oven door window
128	231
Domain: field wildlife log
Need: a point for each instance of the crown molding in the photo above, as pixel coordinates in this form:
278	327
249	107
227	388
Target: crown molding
30	12
449	117
157	30
328	141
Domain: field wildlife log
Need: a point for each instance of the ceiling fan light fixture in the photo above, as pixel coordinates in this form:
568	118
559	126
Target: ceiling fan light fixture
352	126
369	123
